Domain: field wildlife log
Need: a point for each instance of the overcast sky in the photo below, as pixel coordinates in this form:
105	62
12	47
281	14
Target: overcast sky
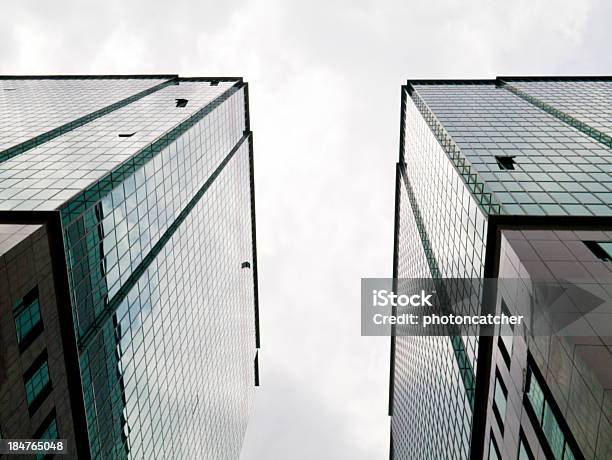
325	82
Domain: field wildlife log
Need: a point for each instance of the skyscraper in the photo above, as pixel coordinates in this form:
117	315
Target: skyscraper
128	274
507	177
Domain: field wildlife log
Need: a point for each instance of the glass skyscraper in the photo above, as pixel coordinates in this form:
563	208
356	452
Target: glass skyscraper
507	177
128	275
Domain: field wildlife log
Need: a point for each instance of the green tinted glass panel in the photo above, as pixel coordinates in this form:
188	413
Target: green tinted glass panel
523	453
606	246
26	317
536	397
568	454
493	455
500	399
50	433
37	382
553	433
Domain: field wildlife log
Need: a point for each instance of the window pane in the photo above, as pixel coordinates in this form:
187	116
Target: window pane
536	396
553	433
37	382
568	454
606	246
26	317
500	399
50	433
493	455
523	453
506	331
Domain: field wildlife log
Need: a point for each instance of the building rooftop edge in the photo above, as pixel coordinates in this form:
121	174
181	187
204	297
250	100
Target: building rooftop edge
498	79
118	77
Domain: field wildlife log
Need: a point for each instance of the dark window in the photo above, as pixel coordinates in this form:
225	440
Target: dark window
37	382
181	102
47	431
214	83
493	449
500	396
601	249
546	417
28	322
126	134
506	336
505	162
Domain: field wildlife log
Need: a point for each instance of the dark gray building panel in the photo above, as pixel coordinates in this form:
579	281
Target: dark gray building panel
30	328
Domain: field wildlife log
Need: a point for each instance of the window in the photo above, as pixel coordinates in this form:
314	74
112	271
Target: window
506	162
601	249
500	396
535	395
524	452
506	336
28	323
546	419
47	431
553	432
37	382
126	134
493	450
181	102
51	431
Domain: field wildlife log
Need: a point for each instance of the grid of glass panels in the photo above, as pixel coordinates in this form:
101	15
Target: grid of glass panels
31	107
560	170
436	423
47	176
37	382
126	254
27	315
109	240
417	431
184	339
586	100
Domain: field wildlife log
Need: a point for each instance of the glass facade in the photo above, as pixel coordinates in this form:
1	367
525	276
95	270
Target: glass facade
449	242
458	140
33	111
586	101
559	169
155	201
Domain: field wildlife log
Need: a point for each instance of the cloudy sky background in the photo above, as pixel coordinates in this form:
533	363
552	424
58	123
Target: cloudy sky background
325	82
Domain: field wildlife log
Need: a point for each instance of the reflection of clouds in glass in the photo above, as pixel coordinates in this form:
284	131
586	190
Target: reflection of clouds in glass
324	109
192	374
